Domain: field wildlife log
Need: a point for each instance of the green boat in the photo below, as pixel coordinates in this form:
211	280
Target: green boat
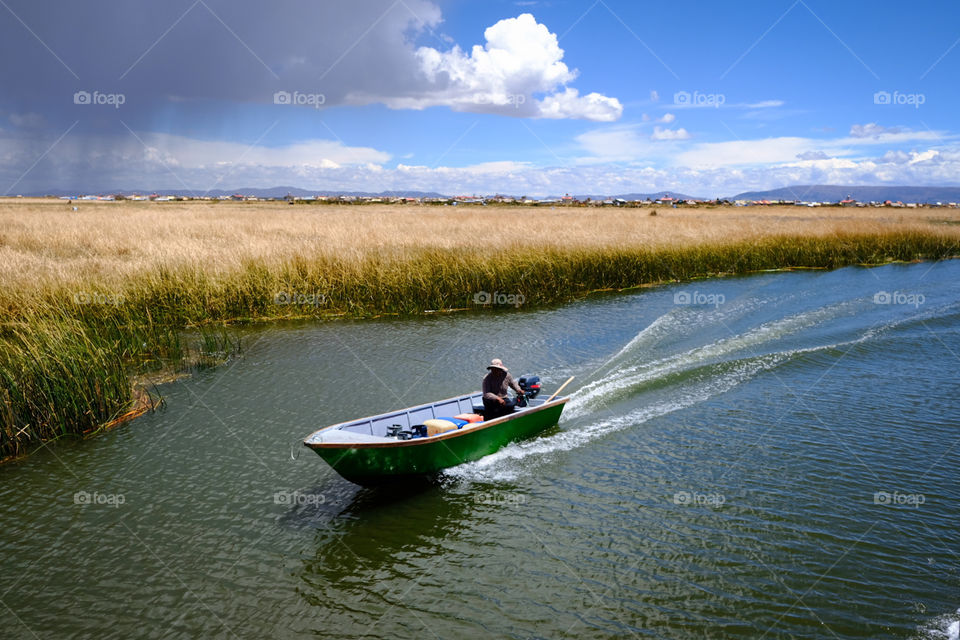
396	445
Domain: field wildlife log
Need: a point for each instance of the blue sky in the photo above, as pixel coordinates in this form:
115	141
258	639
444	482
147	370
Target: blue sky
529	97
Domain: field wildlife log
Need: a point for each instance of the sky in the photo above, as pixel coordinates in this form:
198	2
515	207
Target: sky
523	97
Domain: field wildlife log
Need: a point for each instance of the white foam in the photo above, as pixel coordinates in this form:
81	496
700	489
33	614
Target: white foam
946	627
678	322
630	376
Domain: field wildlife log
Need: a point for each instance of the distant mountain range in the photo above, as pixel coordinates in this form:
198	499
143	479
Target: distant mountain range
834	193
813	193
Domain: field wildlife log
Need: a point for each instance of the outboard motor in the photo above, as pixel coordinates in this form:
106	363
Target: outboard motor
397	431
530	385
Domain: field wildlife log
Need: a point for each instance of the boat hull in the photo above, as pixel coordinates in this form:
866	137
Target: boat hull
372	464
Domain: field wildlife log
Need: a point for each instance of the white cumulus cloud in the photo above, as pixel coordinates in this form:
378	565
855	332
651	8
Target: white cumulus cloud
570	104
924	156
669	134
518	72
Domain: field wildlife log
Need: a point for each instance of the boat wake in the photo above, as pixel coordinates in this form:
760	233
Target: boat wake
945	627
673	381
622	375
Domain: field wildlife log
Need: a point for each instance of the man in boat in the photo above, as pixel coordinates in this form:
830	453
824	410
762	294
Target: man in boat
498	380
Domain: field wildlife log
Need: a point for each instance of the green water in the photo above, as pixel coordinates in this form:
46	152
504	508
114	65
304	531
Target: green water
776	459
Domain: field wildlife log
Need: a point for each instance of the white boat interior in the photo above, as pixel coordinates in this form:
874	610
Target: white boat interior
374	428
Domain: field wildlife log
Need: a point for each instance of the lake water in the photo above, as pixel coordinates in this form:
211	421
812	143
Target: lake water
770	456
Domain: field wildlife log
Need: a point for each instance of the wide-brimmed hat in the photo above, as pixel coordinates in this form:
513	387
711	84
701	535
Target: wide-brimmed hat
497	363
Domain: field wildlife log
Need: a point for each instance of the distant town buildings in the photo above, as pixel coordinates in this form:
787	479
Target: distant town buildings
480	200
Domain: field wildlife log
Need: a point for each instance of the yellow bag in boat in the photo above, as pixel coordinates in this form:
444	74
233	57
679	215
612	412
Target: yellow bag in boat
439	425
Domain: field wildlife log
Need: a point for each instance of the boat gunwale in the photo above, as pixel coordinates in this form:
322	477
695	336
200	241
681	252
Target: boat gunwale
474	427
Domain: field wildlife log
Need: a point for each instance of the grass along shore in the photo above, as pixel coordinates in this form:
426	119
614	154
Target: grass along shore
93	299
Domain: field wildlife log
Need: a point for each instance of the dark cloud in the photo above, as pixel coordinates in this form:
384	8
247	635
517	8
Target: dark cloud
154	53
84	83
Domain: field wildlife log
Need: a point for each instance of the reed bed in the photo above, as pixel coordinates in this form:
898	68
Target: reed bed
90	299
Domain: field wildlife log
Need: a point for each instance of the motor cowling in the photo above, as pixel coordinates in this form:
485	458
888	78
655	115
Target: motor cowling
530	385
